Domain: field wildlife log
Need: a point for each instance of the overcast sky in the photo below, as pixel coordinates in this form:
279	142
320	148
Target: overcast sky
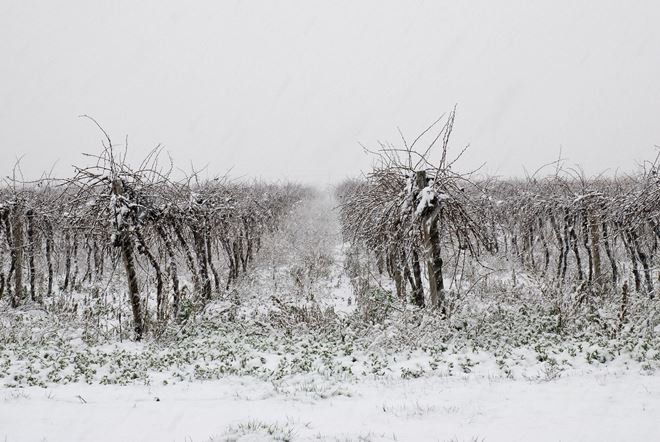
289	88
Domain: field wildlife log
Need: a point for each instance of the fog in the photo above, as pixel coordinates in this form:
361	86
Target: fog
289	89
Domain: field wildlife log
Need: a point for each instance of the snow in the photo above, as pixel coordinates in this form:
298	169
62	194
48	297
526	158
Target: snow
410	377
428	197
340	294
585	408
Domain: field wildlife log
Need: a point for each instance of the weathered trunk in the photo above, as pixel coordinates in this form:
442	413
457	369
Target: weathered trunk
633	258
516	249
188	254
67	260
87	276
418	287
610	255
200	250
493	233
49	255
560	246
643	258
656	233
123	240
595	245
530	246
574	245
237	259
241	255
407	276
226	246
209	258
546	250
76	269
624	305
397	276
567	248
12	255
133	289
2	255
434	264
144	250
585	242
169	248
380	262
29	215
98	261
249	252
17	232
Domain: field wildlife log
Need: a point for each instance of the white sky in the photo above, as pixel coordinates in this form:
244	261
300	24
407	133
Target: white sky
289	88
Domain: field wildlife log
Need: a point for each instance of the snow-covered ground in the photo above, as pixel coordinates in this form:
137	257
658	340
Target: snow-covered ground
287	356
590	408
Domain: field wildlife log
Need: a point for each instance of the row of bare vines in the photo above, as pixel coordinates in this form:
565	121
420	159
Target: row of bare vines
167	240
414	213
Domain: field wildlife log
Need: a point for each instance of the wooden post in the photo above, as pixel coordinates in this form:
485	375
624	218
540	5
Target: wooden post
431	236
436	282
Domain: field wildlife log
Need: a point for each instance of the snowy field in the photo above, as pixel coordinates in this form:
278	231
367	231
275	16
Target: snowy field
329	221
289	359
579	408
